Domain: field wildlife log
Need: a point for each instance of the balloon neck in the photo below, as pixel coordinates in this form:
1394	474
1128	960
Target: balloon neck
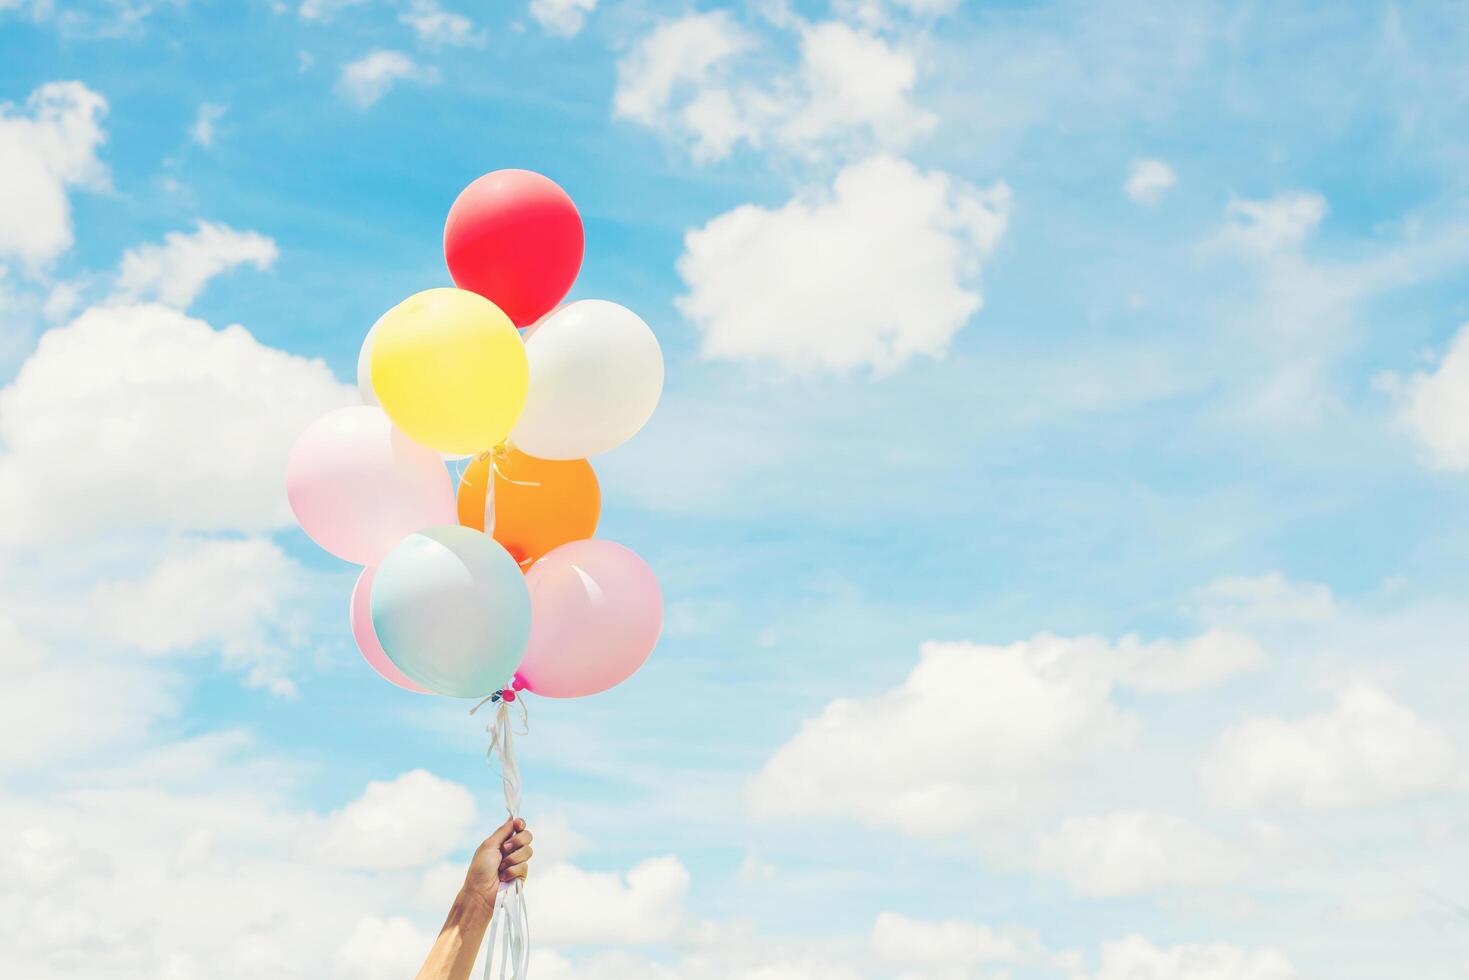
499	452
507	694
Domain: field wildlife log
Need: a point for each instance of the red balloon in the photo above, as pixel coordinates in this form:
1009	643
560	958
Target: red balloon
514	237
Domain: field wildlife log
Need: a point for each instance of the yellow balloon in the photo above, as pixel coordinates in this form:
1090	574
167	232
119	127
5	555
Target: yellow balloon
449	368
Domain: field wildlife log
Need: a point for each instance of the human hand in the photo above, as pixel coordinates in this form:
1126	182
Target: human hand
504	856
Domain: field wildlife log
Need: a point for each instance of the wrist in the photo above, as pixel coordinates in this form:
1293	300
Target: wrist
472	903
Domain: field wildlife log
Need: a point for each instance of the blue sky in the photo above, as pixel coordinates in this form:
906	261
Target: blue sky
1057	490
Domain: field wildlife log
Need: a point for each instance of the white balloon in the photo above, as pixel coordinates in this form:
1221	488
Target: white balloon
364	383
364	368
596	372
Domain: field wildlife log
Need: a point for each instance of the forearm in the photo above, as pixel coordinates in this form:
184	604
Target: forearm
453	954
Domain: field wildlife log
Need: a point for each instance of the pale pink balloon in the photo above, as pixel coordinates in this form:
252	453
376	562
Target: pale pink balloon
358	486
596	612
366	636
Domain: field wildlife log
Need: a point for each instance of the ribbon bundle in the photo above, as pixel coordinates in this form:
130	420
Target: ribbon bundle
507	946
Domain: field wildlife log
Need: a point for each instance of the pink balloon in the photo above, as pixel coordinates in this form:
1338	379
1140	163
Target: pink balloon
366	637
596	612
358	486
514	237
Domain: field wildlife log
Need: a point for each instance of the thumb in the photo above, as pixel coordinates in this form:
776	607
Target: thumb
503	832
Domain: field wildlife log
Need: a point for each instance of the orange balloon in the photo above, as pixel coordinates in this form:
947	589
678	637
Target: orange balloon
539	503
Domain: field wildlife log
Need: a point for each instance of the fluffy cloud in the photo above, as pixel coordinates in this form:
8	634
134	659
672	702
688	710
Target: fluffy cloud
1278	224
854	82
704	80
1200	662
225	595
408	822
979	731
589	907
974	731
1368	749
1126	853
364	81
209	590
173	874
956	948
1149	180
46	149
898	948
563	18
1268	598
436	26
140	416
1134	958
1435	406
383	949
186	862
882	267
677	56
176	272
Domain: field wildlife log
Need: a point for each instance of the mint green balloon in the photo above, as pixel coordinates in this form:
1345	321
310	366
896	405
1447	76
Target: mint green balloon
451	610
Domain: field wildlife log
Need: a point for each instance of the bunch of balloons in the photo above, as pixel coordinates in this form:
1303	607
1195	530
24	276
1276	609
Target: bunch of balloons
506	588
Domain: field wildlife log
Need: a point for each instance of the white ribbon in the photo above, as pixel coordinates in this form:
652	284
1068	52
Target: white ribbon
508	941
491	470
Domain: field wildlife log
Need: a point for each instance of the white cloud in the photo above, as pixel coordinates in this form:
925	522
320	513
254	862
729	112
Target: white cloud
974	731
881	268
981	731
140	416
383	949
176	272
202	132
61	300
678	56
1368	749
704	80
1268	598
46	149
563	18
435	25
227	594
1130	852
1149	180
1435	406
854	81
958	949
1162	665
410	822
139	874
576	907
1134	958
898	948
199	868
1278	224
364	81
